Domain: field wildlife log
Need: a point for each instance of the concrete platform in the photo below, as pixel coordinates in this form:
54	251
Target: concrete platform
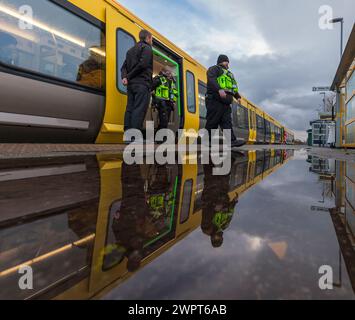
11	151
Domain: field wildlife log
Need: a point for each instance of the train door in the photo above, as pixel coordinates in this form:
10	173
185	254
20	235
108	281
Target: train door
283	140
202	91
272	126
162	57
122	34
137	210
252	124
260	125
190	112
251	168
188	218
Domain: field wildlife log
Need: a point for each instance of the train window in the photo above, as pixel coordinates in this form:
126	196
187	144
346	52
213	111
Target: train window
350	86
240	175
268	127
350	109
199	190
259	122
54	42
191	92
125	42
259	167
202	90
242	117
186	201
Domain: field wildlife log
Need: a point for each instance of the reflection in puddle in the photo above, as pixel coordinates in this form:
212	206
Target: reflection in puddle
86	225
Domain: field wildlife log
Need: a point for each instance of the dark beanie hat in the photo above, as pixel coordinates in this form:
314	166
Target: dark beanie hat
222	58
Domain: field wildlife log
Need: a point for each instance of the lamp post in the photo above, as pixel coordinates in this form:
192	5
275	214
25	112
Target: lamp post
323	93
341	20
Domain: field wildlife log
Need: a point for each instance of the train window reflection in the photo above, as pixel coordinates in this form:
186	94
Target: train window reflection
260	122
190	89
53	42
242	117
186	201
202	90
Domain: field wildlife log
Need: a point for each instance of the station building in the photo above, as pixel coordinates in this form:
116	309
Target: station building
322	133
344	86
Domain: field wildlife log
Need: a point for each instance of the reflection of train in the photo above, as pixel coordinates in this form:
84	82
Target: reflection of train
88	236
343	215
60	78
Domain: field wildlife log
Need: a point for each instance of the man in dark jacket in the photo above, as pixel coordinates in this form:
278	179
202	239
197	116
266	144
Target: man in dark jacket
137	73
221	89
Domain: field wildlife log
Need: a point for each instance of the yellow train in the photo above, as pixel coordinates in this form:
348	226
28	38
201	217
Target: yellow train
90	233
60	77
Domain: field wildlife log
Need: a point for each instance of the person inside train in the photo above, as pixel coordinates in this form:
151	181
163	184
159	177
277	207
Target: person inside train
137	74
90	72
217	208
165	95
160	195
222	87
8	52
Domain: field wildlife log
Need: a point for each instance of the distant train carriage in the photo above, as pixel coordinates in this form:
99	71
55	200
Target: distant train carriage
268	129
289	137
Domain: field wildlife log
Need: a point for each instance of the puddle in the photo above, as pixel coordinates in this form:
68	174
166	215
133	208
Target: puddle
92	226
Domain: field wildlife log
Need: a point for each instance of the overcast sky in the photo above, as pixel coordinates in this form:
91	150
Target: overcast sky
277	50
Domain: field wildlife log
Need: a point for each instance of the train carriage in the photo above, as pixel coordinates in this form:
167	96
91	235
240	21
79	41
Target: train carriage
289	137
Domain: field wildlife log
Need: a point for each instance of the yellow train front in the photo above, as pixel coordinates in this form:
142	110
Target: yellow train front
60	78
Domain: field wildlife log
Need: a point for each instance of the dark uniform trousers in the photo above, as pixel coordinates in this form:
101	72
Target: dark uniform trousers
137	106
164	111
219	114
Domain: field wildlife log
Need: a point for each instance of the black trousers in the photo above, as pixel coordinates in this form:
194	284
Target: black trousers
164	111
219	115
137	106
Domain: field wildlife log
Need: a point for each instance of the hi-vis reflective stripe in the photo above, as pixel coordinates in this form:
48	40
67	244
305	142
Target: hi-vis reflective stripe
227	81
165	92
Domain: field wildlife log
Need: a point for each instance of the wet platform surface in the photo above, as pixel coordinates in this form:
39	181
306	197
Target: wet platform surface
94	227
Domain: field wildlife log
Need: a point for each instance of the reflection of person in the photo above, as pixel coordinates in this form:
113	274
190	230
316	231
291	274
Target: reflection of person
159	192
8	53
137	73
217	209
129	220
165	95
91	71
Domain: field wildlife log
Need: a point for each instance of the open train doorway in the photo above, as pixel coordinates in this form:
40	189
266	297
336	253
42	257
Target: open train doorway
161	60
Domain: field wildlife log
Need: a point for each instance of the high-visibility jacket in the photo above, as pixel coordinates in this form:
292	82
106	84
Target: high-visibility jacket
167	90
161	202
222	219
227	82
